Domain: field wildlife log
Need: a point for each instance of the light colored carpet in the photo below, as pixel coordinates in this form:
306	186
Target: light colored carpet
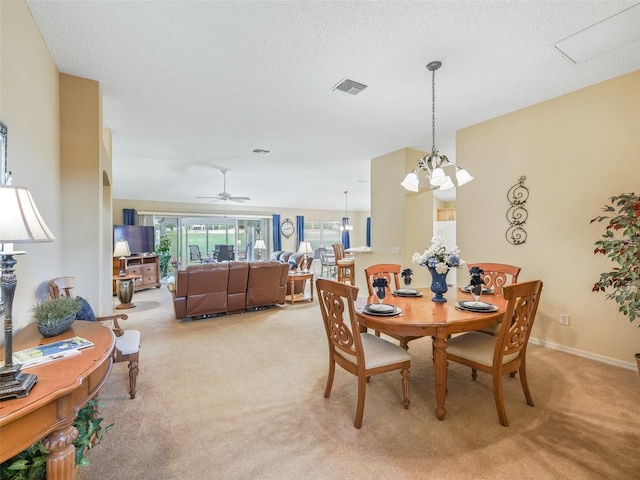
241	397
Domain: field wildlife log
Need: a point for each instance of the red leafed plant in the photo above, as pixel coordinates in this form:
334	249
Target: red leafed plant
621	243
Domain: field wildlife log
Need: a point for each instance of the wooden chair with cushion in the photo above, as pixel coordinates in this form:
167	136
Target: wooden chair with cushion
505	353
496	276
361	354
127	341
345	266
390	271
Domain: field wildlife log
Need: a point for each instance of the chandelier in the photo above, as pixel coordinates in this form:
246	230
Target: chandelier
345	221
434	163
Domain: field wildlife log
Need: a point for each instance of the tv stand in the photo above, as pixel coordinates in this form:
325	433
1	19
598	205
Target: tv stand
147	266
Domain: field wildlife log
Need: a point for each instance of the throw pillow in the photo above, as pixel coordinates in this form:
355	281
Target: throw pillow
85	312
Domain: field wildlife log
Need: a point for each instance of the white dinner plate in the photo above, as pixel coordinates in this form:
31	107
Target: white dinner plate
485	291
477	307
407	292
382	309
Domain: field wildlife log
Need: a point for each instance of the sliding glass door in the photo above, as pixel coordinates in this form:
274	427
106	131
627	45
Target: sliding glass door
221	238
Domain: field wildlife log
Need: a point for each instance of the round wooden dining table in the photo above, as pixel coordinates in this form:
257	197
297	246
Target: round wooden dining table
422	317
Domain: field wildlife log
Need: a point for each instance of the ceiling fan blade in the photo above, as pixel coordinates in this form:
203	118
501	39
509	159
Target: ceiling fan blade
239	199
215	199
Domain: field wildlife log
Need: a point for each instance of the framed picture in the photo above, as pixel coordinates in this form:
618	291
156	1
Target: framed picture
4	175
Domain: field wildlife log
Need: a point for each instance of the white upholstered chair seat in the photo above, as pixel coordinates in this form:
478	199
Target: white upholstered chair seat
378	352
476	347
129	342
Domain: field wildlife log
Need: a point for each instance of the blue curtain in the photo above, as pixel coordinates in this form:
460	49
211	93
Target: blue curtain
128	216
345	234
275	223
299	230
368	231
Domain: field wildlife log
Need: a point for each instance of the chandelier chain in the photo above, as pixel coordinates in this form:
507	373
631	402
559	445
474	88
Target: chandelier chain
433	111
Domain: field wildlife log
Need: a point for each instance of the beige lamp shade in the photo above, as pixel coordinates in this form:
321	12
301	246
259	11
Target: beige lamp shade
121	249
305	247
260	245
20	220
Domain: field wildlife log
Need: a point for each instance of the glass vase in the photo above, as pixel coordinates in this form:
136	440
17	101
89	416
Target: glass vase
438	284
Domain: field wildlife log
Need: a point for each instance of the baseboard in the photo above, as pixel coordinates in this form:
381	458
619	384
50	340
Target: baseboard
582	353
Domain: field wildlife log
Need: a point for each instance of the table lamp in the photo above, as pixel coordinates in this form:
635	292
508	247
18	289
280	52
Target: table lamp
259	246
122	250
20	222
305	248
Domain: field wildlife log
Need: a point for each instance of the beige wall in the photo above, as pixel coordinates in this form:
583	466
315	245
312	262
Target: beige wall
29	108
86	169
576	151
401	221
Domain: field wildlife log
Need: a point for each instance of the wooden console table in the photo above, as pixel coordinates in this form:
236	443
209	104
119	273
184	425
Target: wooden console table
63	388
147	267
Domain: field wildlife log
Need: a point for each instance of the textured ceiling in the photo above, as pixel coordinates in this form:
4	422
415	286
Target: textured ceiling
190	86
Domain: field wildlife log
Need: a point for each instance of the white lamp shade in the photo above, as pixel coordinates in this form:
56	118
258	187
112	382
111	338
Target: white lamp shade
305	247
260	245
438	177
121	249
411	182
447	185
20	220
463	176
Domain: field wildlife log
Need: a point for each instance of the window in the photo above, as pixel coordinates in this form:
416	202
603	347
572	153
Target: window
322	234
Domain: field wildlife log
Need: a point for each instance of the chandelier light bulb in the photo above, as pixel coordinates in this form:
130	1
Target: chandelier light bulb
411	182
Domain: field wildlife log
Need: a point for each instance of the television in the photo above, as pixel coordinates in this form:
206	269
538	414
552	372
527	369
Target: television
141	239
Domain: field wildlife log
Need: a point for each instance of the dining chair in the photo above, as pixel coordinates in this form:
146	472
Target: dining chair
496	276
507	352
345	266
327	261
127	341
359	353
391	272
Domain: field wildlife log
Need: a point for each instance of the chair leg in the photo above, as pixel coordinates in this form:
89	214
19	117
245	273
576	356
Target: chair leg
499	398
362	390
474	374
405	387
525	385
332	371
133	375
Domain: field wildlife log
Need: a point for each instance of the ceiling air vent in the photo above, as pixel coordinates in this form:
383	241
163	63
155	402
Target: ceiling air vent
349	87
261	151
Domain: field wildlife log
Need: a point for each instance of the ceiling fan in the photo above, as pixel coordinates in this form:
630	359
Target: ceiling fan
224	195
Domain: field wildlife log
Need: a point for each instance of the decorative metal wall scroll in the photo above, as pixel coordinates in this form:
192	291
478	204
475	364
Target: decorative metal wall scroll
517	214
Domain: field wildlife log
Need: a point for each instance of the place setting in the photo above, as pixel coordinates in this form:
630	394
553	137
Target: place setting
406	292
476	288
381	309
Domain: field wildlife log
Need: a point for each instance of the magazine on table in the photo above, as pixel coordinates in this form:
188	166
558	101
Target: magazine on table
69	347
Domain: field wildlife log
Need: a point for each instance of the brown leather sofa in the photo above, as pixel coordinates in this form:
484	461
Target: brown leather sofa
213	288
